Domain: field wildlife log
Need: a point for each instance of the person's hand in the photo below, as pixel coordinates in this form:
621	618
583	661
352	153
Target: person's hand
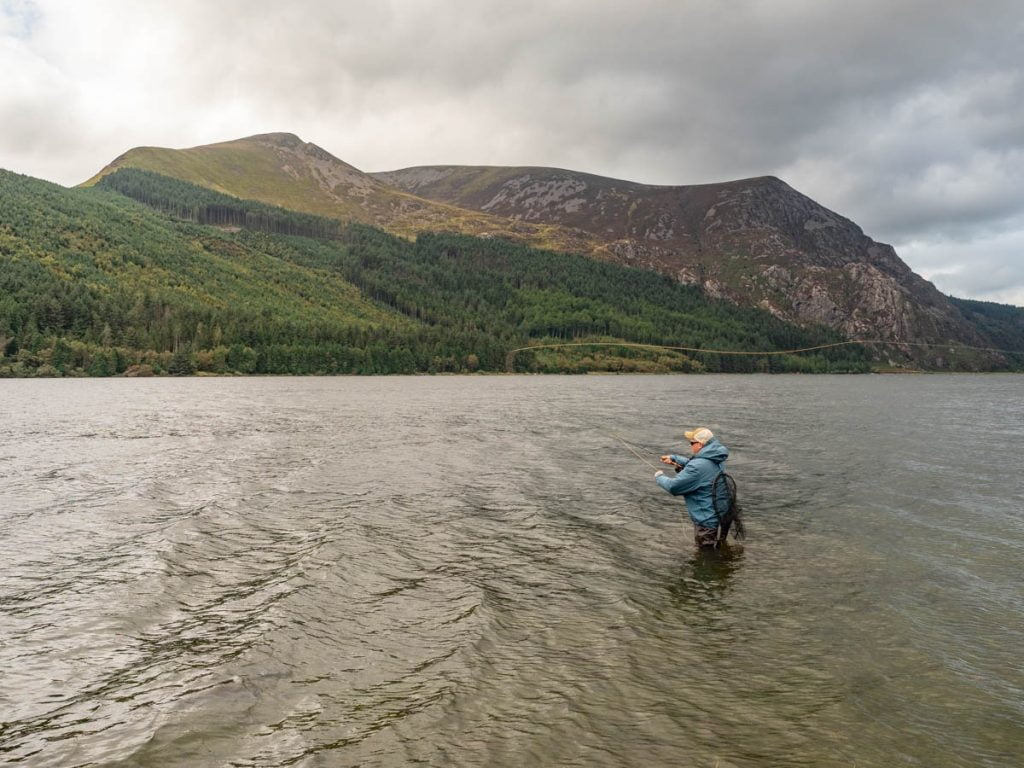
658	474
666	459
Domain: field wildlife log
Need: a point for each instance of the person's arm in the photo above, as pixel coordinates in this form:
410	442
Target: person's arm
687	480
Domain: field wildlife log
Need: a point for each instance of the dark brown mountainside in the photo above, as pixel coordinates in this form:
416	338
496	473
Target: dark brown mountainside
755	241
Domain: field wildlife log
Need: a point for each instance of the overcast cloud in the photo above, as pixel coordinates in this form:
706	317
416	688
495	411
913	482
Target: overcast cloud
906	116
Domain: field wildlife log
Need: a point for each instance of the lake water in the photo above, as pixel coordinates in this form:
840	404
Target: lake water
475	571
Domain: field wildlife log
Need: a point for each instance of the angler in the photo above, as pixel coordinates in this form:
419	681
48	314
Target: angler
710	493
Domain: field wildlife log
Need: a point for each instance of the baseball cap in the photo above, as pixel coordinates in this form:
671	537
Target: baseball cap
699	435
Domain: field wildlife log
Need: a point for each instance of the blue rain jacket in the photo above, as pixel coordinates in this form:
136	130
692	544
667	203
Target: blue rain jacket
694	481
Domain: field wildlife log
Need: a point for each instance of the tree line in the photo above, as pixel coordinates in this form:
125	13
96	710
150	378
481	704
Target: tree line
204	206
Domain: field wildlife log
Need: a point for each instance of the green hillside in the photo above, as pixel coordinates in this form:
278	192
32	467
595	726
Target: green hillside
92	282
281	169
253	168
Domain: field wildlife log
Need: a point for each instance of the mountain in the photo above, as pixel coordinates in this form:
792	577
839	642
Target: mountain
755	241
143	273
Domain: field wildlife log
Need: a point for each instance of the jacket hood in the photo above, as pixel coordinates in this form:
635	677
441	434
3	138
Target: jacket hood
713	451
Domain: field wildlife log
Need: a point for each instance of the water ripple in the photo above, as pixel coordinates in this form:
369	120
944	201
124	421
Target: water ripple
469	572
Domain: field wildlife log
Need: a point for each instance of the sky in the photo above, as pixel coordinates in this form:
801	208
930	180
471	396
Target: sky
906	116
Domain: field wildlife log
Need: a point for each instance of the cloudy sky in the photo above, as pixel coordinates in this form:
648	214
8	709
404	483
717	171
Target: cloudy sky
906	116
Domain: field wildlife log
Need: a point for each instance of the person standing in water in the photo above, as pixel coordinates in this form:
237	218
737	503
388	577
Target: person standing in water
694	481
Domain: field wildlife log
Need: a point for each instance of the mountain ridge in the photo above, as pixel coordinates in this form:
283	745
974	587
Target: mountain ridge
755	241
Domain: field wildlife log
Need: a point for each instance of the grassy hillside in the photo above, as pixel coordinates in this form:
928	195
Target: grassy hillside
280	169
92	282
259	170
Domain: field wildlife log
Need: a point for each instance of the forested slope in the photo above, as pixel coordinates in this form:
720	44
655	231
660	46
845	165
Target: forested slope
1003	324
92	282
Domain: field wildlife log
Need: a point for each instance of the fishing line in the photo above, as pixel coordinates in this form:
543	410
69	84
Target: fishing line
630	448
608	433
509	358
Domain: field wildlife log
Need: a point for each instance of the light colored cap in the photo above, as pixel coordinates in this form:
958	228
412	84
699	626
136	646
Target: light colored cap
699	435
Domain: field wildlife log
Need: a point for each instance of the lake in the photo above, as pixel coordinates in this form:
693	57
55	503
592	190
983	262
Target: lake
477	571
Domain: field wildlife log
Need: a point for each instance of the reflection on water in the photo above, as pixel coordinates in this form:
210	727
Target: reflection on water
707	575
469	572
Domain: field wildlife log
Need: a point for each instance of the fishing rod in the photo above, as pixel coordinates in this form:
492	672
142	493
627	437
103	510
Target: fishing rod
630	448
614	436
636	453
